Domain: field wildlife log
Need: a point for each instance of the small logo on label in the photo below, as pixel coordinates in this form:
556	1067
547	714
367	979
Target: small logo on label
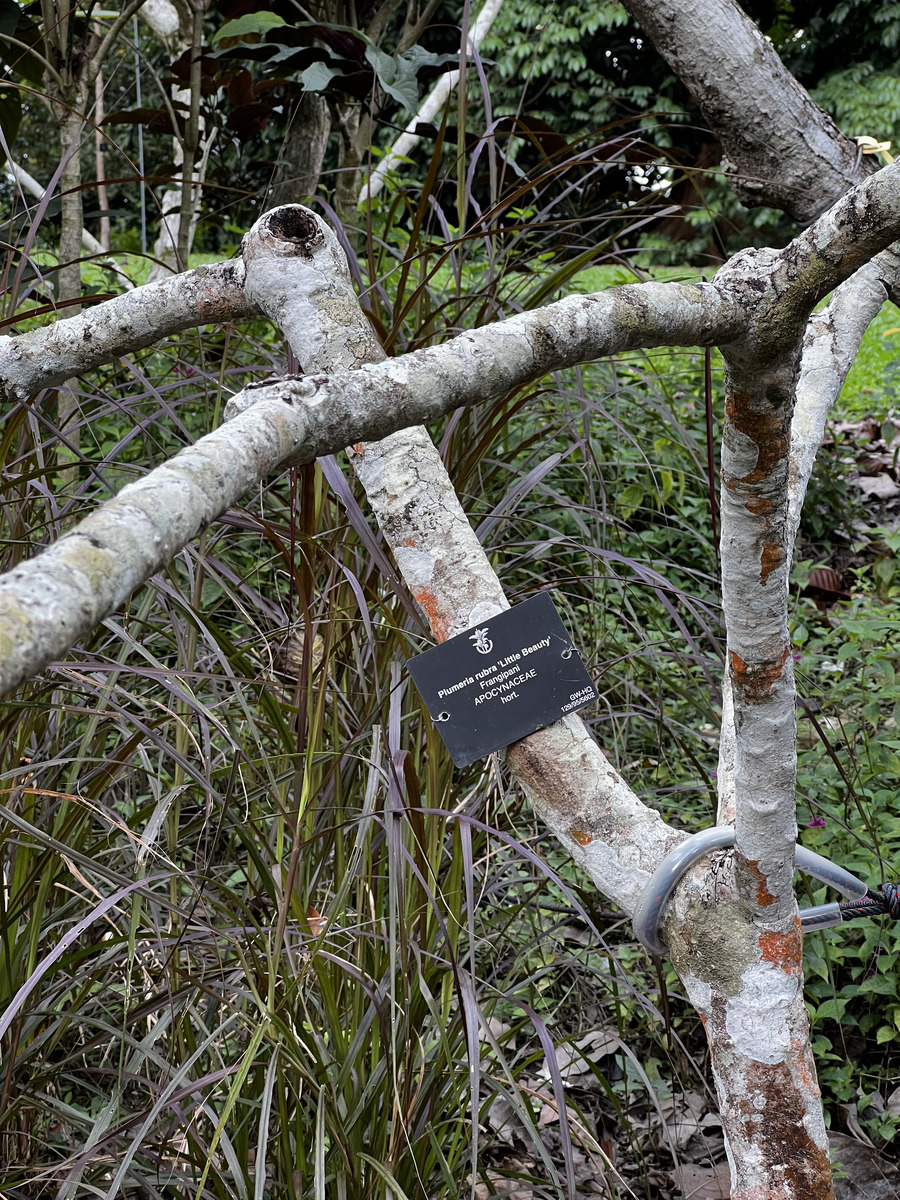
483	643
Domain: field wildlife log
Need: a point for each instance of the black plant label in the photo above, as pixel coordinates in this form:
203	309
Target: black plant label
502	680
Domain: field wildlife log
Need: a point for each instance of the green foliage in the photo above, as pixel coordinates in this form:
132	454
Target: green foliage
848	780
254	23
563	53
862	100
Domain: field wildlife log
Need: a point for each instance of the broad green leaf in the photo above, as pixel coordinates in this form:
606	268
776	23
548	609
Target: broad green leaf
317	77
833	1009
396	81
630	499
398	76
258	22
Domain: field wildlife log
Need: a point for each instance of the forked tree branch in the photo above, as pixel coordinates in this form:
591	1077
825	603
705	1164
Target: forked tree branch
297	274
756	310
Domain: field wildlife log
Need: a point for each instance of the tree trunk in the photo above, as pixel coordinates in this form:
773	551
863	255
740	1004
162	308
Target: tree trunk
71	125
300	161
355	128
780	148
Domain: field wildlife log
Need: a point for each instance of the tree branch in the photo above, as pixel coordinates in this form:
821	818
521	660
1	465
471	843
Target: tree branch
781	148
48	357
297	274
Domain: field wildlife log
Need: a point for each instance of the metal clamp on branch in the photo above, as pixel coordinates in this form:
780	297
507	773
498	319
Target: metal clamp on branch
863	901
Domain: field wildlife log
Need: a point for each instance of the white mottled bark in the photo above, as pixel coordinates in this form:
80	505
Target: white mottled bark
747	984
293	421
49	356
750	989
420	387
830	345
47	603
297	275
429	109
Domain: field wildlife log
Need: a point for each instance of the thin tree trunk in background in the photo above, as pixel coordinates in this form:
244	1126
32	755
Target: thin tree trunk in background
303	153
100	157
355	126
430	108
71	126
173	27
188	212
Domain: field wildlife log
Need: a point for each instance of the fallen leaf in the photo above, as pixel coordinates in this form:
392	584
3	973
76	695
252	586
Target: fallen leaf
876	487
704	1183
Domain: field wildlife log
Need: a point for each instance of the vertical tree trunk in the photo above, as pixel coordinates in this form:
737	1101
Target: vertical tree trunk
100	155
71	125
356	133
300	162
189	200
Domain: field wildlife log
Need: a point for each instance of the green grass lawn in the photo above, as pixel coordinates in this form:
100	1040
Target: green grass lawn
871	386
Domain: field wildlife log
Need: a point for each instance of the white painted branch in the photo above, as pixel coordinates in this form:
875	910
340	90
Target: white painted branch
429	109
297	273
18	173
830	346
49	356
420	387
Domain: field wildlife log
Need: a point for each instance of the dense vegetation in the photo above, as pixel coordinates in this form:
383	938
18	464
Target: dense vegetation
257	936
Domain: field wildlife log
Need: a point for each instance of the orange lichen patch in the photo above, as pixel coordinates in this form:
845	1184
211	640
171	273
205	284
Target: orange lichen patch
431	606
784	950
358	448
763	896
802	1067
756	681
582	838
759	507
772	559
768	429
